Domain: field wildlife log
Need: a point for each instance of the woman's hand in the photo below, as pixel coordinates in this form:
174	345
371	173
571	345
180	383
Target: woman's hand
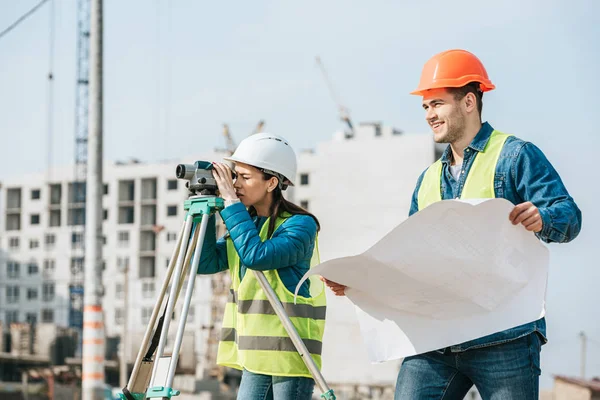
223	176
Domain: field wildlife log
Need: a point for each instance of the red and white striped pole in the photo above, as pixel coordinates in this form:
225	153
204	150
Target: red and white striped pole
93	317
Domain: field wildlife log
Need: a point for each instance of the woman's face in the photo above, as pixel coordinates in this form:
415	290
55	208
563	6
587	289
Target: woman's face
250	185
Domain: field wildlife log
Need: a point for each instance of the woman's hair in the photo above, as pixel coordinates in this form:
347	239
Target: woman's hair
280	205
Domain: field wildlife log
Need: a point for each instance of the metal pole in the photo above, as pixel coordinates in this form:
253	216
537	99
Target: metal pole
125	327
186	302
93	318
172	297
156	310
291	330
583	351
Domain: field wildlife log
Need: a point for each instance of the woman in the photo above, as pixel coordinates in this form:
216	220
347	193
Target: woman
270	234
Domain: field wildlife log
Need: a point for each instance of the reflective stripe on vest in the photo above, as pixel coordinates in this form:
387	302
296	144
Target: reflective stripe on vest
253	337
480	180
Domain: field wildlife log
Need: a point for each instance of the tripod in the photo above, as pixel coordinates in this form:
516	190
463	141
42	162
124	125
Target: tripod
152	375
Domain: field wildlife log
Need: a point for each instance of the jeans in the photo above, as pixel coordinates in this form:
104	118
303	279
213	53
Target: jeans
506	371
268	387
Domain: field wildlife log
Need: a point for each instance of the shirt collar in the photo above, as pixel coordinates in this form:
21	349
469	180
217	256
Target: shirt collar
478	143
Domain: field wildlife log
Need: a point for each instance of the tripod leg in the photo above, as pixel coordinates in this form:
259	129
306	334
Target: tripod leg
171	301
187	300
148	334
296	339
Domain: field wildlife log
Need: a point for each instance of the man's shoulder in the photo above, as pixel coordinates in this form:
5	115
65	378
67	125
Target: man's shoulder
513	145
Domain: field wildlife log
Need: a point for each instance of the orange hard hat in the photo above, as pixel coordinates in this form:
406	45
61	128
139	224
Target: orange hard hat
453	68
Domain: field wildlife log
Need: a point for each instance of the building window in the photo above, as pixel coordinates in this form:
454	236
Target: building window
304	204
76	216
147	289
146	314
35	219
48	291
122	263
77	240
123	239
13	222
34	244
171	211
47	315
168	261
12	269
32	294
13	198
171	236
172	184
146	267
13	243
105	214
119	316
55	193
126	191
54	218
31	318
77	267
12	316
119	291
35	194
126	215
48	268
12	294
304	179
50	240
32	268
105	188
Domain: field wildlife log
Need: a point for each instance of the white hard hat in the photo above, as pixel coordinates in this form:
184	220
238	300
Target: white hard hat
267	151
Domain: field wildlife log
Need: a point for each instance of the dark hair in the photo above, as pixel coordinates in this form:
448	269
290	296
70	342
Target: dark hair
279	206
461	92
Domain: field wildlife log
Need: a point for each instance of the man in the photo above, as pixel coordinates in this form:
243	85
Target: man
481	162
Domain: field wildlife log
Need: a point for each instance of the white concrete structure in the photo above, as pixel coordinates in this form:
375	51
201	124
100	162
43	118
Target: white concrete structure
359	188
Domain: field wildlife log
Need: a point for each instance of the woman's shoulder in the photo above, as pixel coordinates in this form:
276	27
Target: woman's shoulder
306	222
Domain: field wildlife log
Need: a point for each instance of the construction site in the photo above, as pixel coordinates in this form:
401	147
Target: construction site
89	247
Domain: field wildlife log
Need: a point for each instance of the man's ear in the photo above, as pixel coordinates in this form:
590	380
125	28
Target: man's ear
470	102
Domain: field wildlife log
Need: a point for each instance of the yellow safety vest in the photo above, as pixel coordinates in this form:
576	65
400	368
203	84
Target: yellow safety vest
253	337
480	180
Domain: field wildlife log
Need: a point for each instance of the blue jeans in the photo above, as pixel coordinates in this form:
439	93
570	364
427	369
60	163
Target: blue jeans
506	371
268	387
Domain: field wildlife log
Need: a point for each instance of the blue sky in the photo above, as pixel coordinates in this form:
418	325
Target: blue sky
176	70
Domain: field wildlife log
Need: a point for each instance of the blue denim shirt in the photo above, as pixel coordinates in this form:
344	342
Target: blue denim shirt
523	173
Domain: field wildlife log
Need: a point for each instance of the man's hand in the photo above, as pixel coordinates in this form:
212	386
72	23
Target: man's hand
336	288
528	215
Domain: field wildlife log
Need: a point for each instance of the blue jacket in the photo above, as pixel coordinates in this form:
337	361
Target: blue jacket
289	250
523	173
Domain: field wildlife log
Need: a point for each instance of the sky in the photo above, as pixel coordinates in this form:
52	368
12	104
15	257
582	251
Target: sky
176	70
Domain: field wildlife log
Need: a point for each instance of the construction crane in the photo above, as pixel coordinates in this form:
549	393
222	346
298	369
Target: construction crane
230	143
81	156
344	112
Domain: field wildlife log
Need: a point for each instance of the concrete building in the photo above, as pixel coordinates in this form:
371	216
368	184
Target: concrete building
360	188
568	388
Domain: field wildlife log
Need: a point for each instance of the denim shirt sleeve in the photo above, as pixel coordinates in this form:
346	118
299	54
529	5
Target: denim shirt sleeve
213	258
537	181
291	243
414	204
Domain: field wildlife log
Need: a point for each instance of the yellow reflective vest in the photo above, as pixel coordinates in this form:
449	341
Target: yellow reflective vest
253	337
480	180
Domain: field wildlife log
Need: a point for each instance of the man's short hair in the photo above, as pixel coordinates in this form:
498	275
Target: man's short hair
473	87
